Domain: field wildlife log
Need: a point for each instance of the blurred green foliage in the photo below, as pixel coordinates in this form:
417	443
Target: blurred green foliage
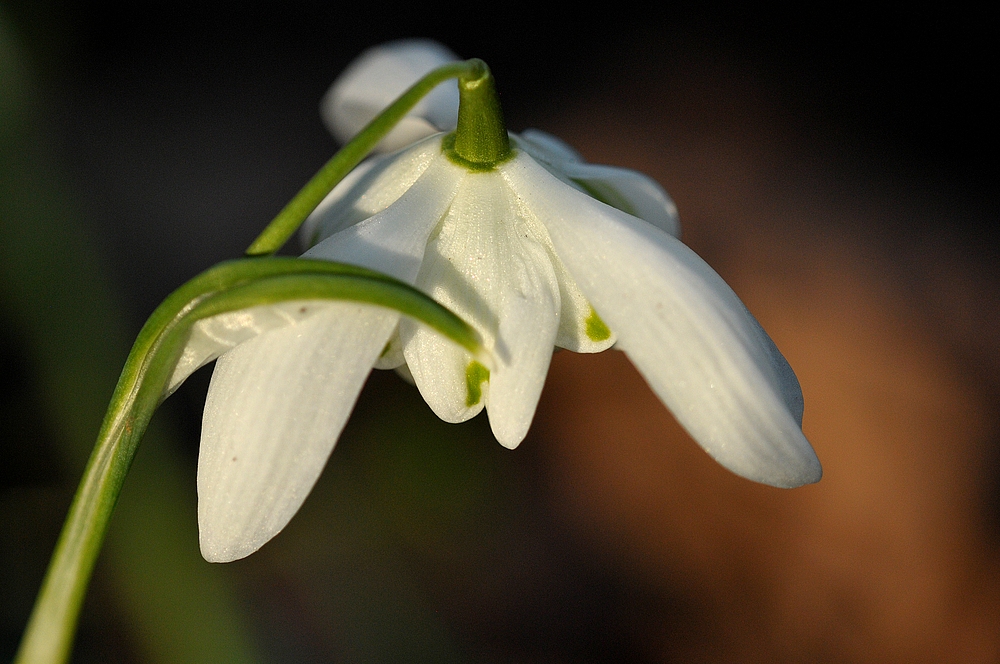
69	342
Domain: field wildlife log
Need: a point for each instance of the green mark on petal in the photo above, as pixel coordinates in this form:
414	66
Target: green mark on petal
475	375
597	329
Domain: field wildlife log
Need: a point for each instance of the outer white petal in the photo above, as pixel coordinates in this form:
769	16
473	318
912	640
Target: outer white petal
686	331
275	408
211	337
394	240
543	146
376	78
629	191
370	188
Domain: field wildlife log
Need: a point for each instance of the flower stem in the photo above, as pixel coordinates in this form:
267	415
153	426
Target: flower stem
481	140
227	287
291	217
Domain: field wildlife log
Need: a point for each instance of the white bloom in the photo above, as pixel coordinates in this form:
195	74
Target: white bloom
533	261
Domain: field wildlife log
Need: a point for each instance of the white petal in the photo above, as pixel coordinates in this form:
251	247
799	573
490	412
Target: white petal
487	265
686	331
630	191
448	380
275	408
376	78
543	146
370	188
211	337
528	324
458	264
393	241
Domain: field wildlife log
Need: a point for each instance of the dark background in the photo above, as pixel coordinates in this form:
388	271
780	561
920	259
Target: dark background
147	93
176	130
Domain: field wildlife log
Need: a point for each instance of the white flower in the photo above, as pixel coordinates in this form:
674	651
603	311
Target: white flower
528	256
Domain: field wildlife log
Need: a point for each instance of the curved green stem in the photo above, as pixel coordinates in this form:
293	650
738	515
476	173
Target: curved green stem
227	287
291	217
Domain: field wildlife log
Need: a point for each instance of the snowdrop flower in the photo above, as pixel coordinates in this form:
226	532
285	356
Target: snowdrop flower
537	250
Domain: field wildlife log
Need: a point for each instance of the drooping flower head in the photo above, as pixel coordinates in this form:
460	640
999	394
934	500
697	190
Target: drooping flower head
536	249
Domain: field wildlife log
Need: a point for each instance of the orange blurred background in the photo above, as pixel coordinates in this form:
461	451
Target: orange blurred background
891	324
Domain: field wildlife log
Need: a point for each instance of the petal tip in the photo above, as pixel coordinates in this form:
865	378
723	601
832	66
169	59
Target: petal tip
509	428
214	550
509	442
811	473
792	470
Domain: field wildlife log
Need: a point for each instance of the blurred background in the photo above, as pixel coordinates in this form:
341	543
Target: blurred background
839	170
